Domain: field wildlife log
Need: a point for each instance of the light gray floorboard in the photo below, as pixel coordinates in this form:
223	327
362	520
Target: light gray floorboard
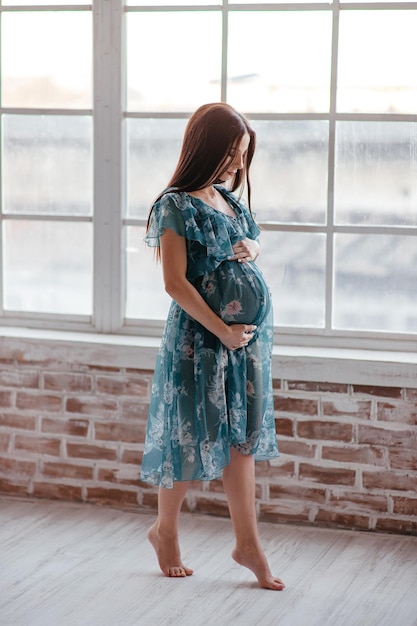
64	564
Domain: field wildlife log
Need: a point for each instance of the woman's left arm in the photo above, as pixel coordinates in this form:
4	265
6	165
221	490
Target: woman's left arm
245	250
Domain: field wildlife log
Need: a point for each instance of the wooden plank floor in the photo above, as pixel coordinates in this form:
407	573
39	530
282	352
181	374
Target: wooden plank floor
64	564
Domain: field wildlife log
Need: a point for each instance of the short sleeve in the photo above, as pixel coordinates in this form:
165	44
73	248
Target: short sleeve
164	214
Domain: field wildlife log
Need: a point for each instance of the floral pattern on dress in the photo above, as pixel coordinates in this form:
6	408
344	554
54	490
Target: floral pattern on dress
206	399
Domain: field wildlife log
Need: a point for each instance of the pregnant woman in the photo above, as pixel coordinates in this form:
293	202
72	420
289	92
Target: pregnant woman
211	411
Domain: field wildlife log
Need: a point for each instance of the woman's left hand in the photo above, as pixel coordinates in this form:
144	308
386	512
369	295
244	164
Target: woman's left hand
245	250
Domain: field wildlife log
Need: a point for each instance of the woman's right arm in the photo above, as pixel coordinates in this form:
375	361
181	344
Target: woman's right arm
174	268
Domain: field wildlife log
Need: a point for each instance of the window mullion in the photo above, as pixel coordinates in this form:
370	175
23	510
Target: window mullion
108	34
331	172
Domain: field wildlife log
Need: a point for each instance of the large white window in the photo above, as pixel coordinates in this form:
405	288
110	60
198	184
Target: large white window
94	102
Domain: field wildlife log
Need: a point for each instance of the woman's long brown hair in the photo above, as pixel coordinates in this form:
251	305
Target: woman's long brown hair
212	132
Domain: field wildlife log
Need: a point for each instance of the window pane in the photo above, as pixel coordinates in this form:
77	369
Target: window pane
146	295
55	68
153	149
53	156
376	173
286	67
377	52
169	68
294	266
289	171
48	267
375	283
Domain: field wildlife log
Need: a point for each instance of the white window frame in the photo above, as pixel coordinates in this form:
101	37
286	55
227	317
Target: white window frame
109	114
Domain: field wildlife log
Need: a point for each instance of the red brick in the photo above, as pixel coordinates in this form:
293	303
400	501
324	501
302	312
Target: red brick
120	476
317	386
373	390
4	442
19	378
403	458
282	468
262	468
91	406
67	382
342	520
295	405
284	426
276	383
315	429
358	502
410	394
16	467
395	525
38	402
347	407
116	497
67	470
284	512
389	480
402	412
327	475
74	427
353	454
14	488
38	445
133	457
380	436
405	506
54	491
215	486
134	410
5	398
126	385
75	450
14	420
297	448
120	431
103	368
211	506
150	498
297	492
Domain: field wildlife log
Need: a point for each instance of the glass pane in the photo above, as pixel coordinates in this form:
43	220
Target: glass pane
48	267
169	68
294	266
289	171
376	173
47	59
377	52
146	297
153	149
53	156
286	67
375	283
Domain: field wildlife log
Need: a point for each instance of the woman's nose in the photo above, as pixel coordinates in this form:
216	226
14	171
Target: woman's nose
238	161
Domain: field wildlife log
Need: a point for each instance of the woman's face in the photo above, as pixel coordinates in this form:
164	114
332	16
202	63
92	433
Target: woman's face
237	159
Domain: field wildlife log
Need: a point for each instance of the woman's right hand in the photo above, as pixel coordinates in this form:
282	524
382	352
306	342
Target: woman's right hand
237	336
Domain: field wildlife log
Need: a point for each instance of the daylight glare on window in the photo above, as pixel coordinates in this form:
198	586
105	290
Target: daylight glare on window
331	91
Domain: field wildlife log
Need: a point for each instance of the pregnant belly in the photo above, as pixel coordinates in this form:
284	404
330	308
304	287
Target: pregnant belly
237	292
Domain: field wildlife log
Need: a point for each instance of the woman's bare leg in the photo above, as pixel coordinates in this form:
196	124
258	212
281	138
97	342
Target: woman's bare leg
239	484
163	534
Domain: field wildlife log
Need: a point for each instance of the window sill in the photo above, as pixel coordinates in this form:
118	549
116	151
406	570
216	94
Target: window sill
331	365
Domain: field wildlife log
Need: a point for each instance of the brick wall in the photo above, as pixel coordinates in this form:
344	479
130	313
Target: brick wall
72	424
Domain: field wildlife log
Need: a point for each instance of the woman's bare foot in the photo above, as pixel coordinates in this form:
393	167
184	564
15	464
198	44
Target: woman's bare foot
168	552
255	560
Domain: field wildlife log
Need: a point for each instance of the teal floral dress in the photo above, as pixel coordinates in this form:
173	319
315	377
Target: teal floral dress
205	398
